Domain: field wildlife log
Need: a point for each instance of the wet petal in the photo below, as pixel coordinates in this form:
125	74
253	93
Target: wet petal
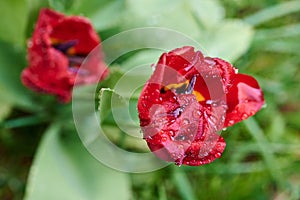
244	99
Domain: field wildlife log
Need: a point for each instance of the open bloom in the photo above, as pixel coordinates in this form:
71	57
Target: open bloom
58	47
188	100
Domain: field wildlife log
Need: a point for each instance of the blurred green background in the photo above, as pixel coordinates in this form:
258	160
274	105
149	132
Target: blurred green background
262	157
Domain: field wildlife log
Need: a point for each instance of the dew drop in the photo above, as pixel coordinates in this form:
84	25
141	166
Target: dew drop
173	99
231	122
218	155
172	133
245	116
29	44
236	71
196	113
185	121
209	102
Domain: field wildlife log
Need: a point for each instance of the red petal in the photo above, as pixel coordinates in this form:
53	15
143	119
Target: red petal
76	28
244	99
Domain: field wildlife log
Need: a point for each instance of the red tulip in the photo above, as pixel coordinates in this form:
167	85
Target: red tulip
188	100
58	47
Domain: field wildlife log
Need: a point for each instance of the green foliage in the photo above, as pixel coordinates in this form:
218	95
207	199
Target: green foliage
63	169
13	16
12	90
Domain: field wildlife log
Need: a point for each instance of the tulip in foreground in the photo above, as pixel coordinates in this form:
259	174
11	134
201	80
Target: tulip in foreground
188	100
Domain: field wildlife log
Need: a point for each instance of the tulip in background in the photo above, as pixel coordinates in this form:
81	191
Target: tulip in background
58	47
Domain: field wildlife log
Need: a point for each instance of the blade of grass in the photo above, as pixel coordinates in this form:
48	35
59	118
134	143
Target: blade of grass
284	31
266	151
162	192
273	12
183	185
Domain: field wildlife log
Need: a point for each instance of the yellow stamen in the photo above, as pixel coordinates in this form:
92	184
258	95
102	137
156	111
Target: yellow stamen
71	51
198	95
175	85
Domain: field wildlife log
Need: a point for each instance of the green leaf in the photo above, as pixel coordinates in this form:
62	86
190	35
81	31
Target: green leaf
143	58
161	13
106	16
64	170
13	15
228	40
119	109
5	109
273	12
104	102
209	13
12	61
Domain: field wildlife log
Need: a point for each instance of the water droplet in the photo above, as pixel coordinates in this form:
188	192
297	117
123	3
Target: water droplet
173	99
224	129
245	116
236	71
231	122
29	44
218	155
208	102
185	121
172	133
196	113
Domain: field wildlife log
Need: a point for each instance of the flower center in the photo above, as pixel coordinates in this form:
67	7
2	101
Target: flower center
186	87
67	48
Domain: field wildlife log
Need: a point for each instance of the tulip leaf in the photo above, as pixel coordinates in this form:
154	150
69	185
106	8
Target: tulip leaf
143	59
13	15
161	13
228	40
209	13
12	90
5	109
103	19
117	109
64	170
